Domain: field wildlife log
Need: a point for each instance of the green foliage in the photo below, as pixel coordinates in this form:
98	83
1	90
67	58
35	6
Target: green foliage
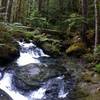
52	16
97	54
73	22
98	50
89	57
17	27
97	68
39	22
35	13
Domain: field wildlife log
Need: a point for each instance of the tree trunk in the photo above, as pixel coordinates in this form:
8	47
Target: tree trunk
61	5
4	4
39	5
9	10
84	25
96	25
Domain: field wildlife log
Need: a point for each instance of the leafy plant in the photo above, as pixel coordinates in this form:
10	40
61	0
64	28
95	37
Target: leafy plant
98	50
38	22
74	21
97	68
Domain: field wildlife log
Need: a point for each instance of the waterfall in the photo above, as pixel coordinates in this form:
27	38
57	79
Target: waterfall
6	85
53	89
29	53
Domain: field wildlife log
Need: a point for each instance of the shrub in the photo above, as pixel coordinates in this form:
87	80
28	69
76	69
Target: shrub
89	57
38	22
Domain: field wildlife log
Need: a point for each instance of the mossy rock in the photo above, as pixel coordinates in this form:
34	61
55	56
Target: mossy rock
78	94
9	49
52	49
76	49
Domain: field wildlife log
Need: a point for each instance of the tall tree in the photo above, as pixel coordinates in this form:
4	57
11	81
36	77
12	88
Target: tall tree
85	24
39	5
96	24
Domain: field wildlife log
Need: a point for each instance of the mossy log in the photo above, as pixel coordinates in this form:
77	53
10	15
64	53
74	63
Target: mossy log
53	32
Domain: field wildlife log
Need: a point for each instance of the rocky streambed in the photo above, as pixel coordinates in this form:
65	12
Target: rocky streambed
37	76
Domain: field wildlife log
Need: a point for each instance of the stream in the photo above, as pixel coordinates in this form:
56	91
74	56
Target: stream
37	76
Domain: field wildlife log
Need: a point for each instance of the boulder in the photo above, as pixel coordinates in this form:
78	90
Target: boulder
9	49
4	96
32	76
51	48
76	49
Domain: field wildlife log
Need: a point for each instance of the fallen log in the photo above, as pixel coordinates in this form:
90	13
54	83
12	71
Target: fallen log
52	32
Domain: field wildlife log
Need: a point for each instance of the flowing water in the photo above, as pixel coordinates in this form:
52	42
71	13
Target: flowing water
56	88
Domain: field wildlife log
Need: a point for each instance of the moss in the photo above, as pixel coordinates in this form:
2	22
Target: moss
8	48
51	48
76	48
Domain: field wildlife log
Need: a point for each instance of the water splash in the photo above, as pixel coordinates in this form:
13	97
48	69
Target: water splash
6	85
29	53
39	94
62	93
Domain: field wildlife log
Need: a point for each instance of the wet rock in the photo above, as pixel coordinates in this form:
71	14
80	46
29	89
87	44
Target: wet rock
4	96
33	75
8	53
90	76
9	49
78	94
1	74
89	85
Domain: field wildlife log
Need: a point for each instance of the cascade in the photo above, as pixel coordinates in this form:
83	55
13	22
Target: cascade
53	89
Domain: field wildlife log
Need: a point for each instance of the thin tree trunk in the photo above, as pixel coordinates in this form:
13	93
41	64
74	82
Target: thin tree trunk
9	10
40	5
96	25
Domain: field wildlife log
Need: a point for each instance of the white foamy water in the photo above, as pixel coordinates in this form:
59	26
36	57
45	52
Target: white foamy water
62	94
26	58
6	85
29	54
39	94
